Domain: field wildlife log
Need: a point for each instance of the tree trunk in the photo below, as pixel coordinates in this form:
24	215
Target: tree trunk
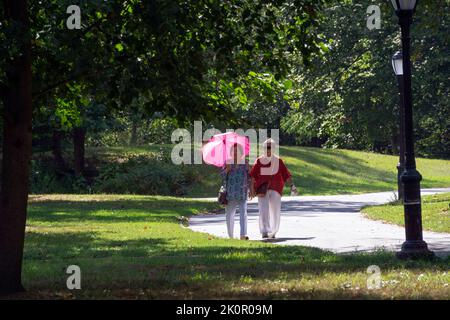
133	138
395	143
79	135
17	113
57	150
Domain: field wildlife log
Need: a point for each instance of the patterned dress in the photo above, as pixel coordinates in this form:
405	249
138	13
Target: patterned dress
237	182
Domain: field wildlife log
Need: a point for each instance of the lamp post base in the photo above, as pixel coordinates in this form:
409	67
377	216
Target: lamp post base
415	250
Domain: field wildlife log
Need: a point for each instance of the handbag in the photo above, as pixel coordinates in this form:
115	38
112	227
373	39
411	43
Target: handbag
222	198
263	188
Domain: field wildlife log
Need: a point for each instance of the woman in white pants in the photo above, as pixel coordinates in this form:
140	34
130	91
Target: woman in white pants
269	207
269	175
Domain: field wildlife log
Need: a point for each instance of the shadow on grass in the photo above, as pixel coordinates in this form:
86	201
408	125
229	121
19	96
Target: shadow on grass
341	162
165	270
256	260
318	180
85	245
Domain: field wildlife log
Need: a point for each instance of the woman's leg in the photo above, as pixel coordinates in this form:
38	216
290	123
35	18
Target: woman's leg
243	216
264	223
275	211
230	210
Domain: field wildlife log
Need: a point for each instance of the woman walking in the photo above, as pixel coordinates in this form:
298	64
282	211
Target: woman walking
236	182
268	177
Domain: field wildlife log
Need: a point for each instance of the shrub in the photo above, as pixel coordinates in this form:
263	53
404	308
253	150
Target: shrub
45	178
150	173
145	174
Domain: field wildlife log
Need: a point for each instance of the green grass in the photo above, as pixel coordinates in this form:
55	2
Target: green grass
135	247
319	171
435	213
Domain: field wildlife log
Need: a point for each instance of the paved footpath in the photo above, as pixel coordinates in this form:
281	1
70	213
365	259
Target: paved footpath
328	222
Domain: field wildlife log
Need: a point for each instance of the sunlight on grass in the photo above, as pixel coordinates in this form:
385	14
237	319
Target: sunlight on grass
435	213
317	171
135	247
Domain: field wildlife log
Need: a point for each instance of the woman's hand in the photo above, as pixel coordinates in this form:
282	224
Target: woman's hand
294	191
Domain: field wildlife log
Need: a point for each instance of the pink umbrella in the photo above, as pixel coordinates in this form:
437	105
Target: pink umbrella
218	149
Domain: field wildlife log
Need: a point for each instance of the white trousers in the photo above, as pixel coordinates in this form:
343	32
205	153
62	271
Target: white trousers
269	212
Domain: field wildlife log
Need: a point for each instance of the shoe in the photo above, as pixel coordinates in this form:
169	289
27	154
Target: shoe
244	238
265	235
272	236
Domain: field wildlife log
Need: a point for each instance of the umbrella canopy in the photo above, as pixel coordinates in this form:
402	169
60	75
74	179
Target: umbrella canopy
217	151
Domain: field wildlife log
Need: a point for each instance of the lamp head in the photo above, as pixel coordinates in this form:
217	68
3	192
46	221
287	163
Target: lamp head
404	5
397	63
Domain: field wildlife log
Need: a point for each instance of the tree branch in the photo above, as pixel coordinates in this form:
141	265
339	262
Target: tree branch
36	95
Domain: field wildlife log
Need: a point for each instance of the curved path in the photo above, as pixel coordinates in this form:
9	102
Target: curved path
328	222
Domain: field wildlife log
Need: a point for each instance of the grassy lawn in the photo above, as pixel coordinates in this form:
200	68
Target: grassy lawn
135	247
317	171
435	213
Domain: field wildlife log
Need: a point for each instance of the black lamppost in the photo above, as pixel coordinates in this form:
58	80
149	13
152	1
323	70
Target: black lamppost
414	246
397	65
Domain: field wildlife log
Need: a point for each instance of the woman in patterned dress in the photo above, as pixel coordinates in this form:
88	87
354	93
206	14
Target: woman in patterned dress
236	181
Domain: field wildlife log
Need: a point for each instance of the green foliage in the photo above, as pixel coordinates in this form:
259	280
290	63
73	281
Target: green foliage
145	174
130	173
147	131
109	138
45	178
169	52
166	57
67	114
349	98
157	131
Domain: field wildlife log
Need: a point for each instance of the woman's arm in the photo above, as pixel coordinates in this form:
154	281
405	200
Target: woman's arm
288	179
252	188
289	182
254	174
